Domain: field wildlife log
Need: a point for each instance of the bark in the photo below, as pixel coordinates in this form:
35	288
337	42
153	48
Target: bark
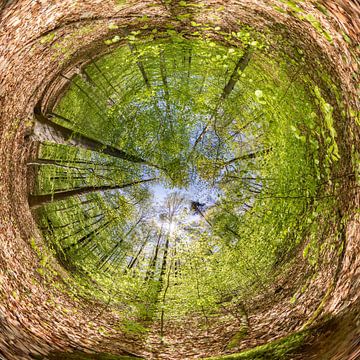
85	141
83	241
152	266
39	200
164	262
135	258
163	303
104	76
164	79
106	257
240	66
249	156
140	65
102	217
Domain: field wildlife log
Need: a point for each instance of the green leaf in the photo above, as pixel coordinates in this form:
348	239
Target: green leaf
113	26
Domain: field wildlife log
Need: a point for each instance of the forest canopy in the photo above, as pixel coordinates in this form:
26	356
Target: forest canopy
187	171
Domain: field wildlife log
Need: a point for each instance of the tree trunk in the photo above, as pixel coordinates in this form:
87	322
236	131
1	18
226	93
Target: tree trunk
102	217
152	266
135	258
140	65
39	200
240	66
165	84
106	257
83	241
252	155
162	317
164	262
84	141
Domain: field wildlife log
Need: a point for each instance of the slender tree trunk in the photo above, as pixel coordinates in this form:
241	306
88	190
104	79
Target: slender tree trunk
87	201
240	66
70	224
81	165
163	73
195	270
249	262
40	200
135	258
252	155
152	266
234	78
140	65
86	77
106	257
164	262
84	240
189	65
100	112
84	141
104	76
102	217
162	316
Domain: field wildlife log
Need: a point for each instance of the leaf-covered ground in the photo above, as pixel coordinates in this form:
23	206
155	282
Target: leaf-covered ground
41	307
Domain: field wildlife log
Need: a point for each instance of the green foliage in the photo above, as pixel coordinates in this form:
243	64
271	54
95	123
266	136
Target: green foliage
237	338
133	328
317	25
294	7
187	112
280	349
48	38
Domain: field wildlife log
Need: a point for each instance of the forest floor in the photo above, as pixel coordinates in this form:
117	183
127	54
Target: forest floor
37	318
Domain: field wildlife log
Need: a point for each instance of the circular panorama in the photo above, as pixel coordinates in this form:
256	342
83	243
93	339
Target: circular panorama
186	185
